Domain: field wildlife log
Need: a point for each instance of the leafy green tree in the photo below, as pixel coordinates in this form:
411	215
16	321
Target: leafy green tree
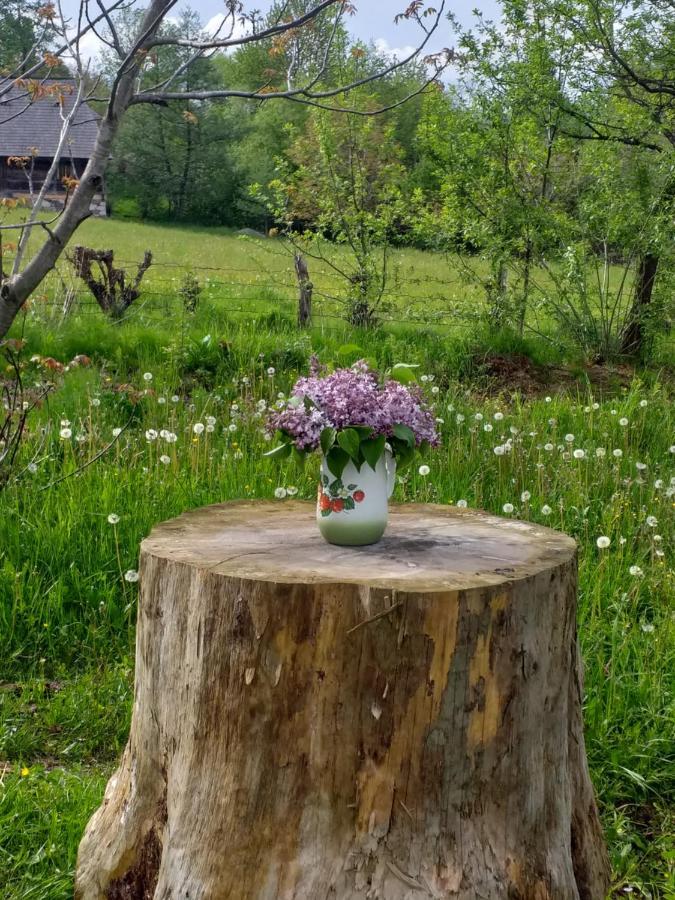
343	183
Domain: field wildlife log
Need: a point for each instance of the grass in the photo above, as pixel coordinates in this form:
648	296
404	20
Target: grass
67	612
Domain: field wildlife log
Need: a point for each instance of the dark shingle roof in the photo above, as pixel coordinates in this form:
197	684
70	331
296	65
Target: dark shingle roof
38	124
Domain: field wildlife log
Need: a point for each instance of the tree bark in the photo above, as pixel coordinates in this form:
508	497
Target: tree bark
632	339
391	722
305	296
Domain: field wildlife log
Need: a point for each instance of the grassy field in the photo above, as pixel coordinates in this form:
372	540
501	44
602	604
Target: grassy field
67	610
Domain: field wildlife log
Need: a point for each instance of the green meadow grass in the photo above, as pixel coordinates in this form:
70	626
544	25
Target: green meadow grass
67	612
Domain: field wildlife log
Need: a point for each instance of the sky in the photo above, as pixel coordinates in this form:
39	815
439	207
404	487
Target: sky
373	21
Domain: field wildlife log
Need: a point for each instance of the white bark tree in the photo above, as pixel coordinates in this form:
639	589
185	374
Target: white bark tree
126	91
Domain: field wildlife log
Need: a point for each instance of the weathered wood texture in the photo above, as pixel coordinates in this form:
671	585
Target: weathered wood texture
390	722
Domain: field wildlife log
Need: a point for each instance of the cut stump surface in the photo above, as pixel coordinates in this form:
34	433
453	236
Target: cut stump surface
389	722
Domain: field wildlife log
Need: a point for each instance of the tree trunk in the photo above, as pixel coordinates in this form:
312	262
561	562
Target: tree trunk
312	722
305	296
632	339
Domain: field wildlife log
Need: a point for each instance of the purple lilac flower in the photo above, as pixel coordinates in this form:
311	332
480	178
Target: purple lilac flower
352	397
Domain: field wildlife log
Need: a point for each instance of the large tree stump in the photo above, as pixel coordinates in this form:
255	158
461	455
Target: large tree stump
314	722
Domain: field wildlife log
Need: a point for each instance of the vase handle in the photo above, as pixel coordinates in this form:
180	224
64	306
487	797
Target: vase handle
390	467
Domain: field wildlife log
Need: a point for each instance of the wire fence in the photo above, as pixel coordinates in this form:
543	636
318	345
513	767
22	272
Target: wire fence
422	300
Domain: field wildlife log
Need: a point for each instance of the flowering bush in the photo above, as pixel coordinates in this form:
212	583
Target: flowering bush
351	414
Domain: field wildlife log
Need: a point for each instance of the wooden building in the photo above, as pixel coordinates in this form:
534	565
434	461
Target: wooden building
29	135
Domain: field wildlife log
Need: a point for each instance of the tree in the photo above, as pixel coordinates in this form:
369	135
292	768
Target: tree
620	90
125	92
342	183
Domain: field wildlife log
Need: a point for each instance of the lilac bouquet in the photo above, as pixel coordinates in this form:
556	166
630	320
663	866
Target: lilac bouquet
350	415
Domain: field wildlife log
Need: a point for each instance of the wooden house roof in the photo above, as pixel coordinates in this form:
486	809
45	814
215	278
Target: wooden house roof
26	123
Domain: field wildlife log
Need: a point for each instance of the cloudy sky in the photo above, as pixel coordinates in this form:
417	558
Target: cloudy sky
374	20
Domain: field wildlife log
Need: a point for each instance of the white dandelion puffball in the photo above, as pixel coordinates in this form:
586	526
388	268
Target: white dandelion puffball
640	466
636	571
435	389
617	453
175	399
600	452
546	510
280	493
210	420
171	438
658	484
579	454
113	518
547	399
478	417
291	491
596	406
462	504
95	401
116	432
498	416
569	438
487	427
643	403
65	434
652	521
164	459
131	575
525	496
271	371
424	471
623	422
548	447
151	435
459	418
508	508
647	627
198	428
603	542
231	427
147	376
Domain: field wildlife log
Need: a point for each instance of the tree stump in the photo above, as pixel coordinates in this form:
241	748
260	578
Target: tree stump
312	722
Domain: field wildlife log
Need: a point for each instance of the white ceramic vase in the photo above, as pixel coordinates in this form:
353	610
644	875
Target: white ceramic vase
353	510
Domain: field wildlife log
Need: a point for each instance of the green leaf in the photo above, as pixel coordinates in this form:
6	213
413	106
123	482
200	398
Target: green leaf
405	434
327	439
325	512
364	431
403	376
336	460
349	503
350	441
372	449
280	452
349	353
300	457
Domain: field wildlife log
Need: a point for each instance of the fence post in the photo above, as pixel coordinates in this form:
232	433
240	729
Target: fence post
305	296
